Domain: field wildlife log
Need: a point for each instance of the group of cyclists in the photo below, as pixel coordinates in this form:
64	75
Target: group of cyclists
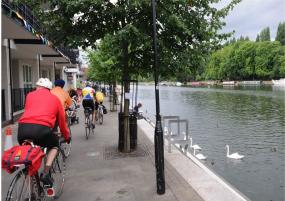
45	112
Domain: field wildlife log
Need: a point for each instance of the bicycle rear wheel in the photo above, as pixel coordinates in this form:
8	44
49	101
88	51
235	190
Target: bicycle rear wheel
100	117
87	127
57	172
24	187
66	148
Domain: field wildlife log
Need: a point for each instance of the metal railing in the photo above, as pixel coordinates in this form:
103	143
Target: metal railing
19	97
72	54
25	12
172	130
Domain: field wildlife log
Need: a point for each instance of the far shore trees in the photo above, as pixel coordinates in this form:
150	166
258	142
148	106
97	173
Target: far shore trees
247	60
280	36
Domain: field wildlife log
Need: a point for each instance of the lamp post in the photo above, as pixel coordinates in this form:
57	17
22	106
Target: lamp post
158	133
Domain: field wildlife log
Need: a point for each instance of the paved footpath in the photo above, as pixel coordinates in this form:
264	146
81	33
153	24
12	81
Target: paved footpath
97	172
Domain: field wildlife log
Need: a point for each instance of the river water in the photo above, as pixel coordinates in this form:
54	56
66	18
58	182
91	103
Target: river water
251	120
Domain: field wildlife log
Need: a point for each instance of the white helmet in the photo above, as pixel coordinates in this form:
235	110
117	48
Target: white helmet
44	82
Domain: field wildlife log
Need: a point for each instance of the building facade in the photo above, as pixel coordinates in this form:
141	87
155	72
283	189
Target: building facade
26	56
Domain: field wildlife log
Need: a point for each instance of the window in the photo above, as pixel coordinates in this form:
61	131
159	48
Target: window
27	73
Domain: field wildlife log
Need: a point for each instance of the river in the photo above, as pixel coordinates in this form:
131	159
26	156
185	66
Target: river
251	120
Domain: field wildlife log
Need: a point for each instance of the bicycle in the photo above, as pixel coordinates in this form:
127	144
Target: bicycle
72	112
99	116
66	147
88	122
30	188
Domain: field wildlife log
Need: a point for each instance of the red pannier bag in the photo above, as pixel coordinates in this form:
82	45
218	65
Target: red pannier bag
28	155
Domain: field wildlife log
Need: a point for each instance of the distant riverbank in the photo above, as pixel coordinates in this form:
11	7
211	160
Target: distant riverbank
213	82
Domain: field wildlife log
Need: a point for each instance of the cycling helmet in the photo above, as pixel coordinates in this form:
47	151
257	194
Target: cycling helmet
59	83
44	82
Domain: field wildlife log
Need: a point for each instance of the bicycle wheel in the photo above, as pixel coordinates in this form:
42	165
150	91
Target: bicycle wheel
69	121
57	172
91	125
66	148
100	117
24	187
87	127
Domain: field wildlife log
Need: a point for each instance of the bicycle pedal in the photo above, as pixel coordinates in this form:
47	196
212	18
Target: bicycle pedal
50	192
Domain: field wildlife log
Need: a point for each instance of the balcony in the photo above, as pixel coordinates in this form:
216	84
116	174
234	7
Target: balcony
26	12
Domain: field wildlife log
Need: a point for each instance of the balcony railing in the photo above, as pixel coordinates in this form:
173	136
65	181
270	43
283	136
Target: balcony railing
25	12
19	97
73	54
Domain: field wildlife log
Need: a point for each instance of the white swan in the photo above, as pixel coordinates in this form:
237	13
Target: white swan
200	156
195	146
234	155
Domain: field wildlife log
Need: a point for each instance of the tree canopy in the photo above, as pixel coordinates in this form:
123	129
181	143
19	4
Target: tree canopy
265	34
247	60
280	36
186	30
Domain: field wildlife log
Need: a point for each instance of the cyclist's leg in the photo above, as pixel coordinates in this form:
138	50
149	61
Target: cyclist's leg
42	136
51	142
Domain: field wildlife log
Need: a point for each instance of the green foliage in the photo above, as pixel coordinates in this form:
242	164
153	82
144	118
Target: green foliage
245	60
186	30
265	34
280	36
104	64
257	38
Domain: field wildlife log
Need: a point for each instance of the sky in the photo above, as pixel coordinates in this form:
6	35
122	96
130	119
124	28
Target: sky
249	17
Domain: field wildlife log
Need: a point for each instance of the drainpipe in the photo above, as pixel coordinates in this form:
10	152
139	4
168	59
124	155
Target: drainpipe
39	65
54	70
11	84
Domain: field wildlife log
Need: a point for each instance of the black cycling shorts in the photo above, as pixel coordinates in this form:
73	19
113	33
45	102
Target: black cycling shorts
39	134
97	104
88	103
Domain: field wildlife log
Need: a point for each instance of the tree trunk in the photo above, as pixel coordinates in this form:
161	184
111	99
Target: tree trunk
114	101
126	100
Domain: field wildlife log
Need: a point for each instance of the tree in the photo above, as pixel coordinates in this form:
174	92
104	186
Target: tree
257	38
104	66
280	36
265	34
247	60
185	31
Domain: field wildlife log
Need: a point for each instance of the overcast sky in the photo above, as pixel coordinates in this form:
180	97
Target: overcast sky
249	17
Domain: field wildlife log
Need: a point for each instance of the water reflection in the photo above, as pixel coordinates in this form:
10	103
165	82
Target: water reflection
250	119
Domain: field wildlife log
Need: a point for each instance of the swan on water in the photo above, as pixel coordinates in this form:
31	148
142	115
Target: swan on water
234	155
200	156
195	146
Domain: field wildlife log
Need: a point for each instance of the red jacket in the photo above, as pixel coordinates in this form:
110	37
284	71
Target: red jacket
44	108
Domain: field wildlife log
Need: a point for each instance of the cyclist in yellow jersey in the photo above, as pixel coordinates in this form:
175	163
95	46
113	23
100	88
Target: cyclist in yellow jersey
99	98
88	94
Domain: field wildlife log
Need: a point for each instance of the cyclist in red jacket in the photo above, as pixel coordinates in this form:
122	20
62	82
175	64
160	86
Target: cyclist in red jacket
42	110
